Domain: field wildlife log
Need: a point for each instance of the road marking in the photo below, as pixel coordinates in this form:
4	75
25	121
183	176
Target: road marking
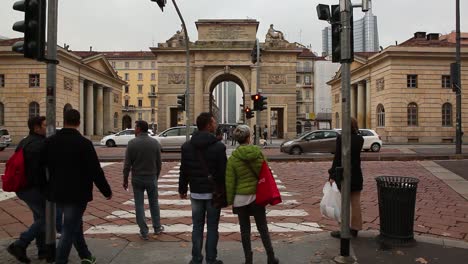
188	213
168	186
170	176
187	202
105	164
174	171
223	228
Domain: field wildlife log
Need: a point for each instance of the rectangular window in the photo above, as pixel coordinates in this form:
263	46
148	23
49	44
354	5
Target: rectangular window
380	84
153	103
307	109
140	103
446	82
140	65
153	88
307	93
126	103
126	77
140	116
127	65
411	81
298	109
140	76
153	65
140	89
337	98
2	80
298	79
307	80
127	88
34	80
153	76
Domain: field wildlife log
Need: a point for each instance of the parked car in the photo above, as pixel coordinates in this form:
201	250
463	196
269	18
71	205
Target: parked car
311	142
5	137
372	140
173	138
3	145
121	138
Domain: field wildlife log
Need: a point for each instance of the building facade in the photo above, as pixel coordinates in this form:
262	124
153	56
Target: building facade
324	71
305	91
88	84
404	92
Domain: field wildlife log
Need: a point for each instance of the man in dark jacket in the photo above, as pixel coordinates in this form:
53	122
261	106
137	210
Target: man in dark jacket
203	165
31	194
73	168
143	159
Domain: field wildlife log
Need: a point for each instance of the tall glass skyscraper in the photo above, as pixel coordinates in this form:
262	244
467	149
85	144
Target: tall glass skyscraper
226	98
366	36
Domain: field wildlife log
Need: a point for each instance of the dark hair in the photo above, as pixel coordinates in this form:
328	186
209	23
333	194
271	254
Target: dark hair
203	120
142	125
71	117
354	126
35	121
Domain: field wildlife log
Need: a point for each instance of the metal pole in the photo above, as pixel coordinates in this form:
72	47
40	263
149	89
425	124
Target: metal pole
258	128
345	9
51	115
458	93
187	74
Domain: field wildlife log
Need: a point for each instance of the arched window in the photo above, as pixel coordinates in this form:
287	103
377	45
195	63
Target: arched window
412	114
2	114
337	118
34	109
447	115
380	116
116	120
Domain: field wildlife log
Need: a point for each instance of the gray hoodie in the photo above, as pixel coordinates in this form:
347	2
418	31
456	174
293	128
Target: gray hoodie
143	157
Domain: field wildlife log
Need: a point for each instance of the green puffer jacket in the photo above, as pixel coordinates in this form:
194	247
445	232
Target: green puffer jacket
239	177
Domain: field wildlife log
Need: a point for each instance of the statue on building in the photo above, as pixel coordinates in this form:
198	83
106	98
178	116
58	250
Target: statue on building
176	40
274	34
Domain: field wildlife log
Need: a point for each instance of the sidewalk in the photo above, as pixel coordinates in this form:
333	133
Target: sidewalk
316	248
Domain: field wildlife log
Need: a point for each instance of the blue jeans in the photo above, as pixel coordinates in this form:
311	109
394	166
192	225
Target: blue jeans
36	202
200	210
72	232
150	184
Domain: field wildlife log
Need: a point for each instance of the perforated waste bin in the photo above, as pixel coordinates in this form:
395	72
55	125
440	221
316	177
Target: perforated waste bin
397	202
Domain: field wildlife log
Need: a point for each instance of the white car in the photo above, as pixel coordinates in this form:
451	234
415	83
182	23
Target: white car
372	140
173	138
121	138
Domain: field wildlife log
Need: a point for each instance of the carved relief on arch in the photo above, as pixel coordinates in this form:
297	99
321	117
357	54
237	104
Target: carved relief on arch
276	78
176	78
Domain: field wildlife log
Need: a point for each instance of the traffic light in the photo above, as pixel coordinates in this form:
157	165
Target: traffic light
336	33
248	113
161	3
33	27
262	103
256	99
181	102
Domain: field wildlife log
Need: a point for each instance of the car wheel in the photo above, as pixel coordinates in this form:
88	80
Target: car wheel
296	151
110	143
2	148
375	147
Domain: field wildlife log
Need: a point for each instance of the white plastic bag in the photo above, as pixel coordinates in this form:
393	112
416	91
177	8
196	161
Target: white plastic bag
330	206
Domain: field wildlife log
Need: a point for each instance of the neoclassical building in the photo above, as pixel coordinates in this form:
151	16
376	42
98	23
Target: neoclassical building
87	83
404	91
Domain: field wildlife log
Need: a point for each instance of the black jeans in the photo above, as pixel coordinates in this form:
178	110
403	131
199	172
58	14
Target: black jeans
259	214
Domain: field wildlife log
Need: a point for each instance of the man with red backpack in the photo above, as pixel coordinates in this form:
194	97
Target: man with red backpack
31	193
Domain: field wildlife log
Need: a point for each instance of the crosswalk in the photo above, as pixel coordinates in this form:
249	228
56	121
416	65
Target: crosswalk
175	212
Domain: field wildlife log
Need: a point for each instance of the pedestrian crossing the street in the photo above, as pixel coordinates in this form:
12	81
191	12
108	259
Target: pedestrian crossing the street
175	212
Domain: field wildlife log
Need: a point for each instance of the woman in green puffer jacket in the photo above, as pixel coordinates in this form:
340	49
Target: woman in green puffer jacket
242	172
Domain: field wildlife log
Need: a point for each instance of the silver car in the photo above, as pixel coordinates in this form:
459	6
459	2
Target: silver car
311	142
173	138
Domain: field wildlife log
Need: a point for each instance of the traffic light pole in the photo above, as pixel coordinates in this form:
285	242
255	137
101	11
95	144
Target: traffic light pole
458	138
51	114
187	74
258	128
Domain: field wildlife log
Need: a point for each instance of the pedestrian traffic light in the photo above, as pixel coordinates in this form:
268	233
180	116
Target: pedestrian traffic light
248	113
33	27
256	99
181	102
262	103
161	3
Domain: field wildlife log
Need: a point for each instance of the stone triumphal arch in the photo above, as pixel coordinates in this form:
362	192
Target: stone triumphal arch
223	53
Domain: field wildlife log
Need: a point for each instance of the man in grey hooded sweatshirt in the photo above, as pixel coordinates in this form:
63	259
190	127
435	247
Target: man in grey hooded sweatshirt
143	159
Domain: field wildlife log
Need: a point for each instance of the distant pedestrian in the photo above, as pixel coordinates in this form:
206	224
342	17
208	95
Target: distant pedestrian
143	159
73	168
203	168
265	132
219	133
231	136
242	173
356	177
32	194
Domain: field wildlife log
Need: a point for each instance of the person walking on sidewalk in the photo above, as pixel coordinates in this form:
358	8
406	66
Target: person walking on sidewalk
32	194
242	172
143	159
357	142
203	167
265	133
73	168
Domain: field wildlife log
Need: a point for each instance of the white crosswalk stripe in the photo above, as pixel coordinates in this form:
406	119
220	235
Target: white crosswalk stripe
187	202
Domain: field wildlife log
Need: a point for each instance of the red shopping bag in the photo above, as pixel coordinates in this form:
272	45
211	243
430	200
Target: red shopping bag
267	191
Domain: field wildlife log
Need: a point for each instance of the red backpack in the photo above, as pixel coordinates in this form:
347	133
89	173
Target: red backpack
14	179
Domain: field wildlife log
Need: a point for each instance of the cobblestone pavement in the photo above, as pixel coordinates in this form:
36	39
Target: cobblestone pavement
440	211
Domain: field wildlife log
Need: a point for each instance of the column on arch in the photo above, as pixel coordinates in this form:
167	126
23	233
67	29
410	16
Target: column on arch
199	90
99	109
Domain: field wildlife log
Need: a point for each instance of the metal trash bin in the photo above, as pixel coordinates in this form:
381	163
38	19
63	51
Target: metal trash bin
397	202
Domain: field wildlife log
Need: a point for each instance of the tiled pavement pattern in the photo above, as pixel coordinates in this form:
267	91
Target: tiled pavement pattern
440	211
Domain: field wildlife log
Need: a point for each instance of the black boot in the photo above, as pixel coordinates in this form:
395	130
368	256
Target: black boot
19	253
273	260
248	257
263	230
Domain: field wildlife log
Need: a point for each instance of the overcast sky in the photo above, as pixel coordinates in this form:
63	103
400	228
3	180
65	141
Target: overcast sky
137	24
